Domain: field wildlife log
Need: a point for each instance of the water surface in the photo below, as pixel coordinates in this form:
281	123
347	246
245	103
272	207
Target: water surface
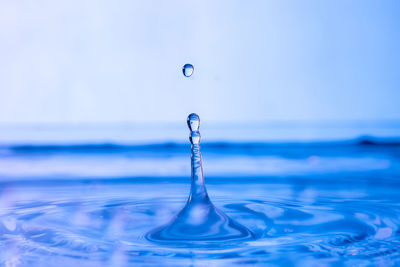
307	203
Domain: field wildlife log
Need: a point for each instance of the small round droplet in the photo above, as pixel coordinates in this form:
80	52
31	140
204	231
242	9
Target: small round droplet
187	70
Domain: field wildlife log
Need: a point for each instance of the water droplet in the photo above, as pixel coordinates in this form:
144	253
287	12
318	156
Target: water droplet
199	221
187	70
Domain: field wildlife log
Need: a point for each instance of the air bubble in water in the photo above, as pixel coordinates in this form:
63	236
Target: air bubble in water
187	70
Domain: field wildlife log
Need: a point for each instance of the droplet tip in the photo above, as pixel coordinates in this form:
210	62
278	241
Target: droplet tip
193	122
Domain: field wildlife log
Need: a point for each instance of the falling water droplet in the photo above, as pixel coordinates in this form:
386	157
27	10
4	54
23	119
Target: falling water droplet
187	70
199	221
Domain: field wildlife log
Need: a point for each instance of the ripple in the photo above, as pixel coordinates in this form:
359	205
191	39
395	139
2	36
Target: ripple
108	230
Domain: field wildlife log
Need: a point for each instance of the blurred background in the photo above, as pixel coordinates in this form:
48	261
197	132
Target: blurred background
105	78
99	73
102	78
260	61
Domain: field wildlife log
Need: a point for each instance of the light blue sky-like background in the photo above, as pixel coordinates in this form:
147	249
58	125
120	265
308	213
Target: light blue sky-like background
120	61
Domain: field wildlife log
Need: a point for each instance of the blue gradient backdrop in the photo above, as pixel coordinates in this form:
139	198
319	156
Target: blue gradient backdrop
101	61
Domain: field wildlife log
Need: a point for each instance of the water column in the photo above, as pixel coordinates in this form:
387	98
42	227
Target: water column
199	221
198	190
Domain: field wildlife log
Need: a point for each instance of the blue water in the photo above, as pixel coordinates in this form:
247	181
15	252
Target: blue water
199	223
305	203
